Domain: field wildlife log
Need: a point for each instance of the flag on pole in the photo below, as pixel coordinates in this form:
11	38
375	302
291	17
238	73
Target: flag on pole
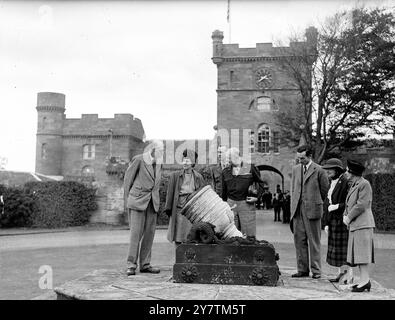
228	13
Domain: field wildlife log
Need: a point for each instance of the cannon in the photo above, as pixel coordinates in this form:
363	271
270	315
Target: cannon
216	252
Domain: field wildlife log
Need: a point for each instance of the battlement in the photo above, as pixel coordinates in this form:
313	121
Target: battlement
51	102
91	124
262	51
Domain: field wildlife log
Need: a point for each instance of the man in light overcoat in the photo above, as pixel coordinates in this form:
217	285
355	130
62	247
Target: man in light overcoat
141	196
310	186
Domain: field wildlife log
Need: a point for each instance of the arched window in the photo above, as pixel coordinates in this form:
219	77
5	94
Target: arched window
252	142
88	152
263	103
87	171
263	138
44	151
276	141
44	122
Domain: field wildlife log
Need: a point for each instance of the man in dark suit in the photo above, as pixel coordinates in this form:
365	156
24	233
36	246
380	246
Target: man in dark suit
216	171
310	186
141	196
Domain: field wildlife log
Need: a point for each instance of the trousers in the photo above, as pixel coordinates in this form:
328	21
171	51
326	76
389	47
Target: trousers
245	216
142	231
307	239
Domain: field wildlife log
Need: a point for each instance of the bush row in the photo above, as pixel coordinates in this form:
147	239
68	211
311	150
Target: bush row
50	204
383	205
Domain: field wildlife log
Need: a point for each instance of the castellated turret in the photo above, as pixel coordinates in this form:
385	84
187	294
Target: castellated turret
50	120
217	37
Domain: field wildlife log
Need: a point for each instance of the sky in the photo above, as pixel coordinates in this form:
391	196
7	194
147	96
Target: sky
151	59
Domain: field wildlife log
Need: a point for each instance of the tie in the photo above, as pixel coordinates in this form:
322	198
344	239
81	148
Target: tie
304	169
154	167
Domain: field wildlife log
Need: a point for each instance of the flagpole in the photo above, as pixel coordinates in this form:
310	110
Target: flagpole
228	19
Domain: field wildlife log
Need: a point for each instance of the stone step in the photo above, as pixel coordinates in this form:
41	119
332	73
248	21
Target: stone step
115	284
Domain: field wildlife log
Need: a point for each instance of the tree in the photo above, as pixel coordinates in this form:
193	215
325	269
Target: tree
352	80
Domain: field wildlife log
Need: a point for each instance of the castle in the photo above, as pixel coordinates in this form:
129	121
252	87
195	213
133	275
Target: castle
252	86
80	149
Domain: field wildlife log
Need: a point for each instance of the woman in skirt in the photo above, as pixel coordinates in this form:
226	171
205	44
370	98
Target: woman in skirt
333	220
181	184
358	217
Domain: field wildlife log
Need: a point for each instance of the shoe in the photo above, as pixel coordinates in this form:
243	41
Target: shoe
316	276
363	288
131	271
300	274
337	279
150	270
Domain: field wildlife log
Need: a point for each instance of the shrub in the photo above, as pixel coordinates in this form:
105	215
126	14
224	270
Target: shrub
383	205
61	203
18	208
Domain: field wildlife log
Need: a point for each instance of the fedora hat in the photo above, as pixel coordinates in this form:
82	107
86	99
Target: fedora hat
333	163
355	167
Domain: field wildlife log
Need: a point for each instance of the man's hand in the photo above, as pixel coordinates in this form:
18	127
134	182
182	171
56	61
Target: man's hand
326	229
346	221
251	199
333	207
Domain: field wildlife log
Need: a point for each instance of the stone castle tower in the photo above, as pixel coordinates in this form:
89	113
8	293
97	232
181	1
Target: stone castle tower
49	146
252	85
85	149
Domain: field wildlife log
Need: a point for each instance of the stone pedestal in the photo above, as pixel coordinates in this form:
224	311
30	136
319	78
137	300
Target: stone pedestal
226	264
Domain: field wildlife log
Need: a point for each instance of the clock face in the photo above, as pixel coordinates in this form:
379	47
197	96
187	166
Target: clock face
263	78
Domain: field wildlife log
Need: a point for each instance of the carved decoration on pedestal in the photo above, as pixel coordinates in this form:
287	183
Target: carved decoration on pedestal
259	276
189	273
259	256
190	255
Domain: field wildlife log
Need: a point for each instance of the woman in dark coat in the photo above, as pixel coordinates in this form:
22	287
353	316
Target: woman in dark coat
181	184
333	220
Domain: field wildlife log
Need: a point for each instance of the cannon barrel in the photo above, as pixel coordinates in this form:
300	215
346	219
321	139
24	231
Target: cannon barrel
204	205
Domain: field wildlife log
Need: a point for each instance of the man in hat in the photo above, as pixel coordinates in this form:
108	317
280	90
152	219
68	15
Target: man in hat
216	170
141	195
310	185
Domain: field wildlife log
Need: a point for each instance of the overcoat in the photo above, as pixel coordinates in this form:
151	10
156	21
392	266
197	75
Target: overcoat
337	230
339	195
312	187
175	182
141	184
359	205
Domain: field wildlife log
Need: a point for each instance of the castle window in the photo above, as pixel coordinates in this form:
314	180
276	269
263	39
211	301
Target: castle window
87	171
263	103
44	122
263	138
88	152
252	142
276	141
44	151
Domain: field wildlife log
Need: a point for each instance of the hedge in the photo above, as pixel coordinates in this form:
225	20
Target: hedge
18	208
383	204
53	204
61	203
